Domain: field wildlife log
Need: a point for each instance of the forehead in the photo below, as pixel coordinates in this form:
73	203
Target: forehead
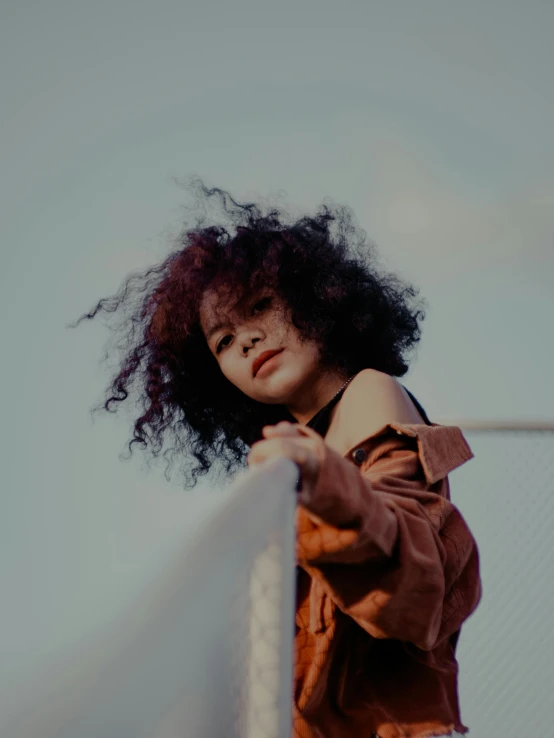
220	307
215	305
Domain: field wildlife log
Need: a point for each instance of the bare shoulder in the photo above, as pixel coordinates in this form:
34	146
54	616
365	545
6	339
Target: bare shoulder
373	399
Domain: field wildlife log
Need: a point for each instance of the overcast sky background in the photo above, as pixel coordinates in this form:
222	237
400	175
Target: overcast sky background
432	120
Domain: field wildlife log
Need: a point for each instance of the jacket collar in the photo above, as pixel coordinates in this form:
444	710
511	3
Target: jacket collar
441	448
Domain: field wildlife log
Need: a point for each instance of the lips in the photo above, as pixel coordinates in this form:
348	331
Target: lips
262	358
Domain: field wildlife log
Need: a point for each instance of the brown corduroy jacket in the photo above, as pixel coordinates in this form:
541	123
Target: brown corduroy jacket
387	572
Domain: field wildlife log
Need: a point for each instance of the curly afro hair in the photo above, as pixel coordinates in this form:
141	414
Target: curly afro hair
324	269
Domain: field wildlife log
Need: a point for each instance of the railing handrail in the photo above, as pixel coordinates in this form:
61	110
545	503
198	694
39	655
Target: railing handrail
500	425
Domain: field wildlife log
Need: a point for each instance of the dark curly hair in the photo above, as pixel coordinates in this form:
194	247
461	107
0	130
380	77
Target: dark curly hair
324	269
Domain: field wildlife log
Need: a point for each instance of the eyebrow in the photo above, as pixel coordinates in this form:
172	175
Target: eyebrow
224	323
215	328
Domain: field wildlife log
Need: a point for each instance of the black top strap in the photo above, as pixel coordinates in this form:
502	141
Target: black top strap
420	410
321	420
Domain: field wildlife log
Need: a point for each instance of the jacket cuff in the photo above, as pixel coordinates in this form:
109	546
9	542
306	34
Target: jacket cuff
343	499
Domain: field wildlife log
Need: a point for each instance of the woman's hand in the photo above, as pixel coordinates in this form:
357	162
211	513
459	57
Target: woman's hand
286	440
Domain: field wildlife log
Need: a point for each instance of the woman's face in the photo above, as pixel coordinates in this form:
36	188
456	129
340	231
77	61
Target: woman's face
259	349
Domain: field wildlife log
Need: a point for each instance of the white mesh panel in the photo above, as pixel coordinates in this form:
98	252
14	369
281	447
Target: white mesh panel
506	650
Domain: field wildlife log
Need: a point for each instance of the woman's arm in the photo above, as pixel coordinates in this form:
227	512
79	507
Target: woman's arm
391	552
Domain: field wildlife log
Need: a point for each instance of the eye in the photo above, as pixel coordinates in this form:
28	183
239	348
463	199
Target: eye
260	305
221	344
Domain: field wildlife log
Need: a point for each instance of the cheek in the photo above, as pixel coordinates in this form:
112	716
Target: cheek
307	350
313	355
236	372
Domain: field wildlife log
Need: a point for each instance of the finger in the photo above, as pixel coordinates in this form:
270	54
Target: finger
281	429
268	449
274	448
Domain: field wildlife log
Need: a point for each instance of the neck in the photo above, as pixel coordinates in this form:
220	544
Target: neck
313	395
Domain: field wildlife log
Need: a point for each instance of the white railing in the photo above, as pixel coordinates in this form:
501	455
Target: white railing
498	426
210	654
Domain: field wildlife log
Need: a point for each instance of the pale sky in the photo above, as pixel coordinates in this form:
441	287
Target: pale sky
432	120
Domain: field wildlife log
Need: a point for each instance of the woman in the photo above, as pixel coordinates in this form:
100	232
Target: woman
281	338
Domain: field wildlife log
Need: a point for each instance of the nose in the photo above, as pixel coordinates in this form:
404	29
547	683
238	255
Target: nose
249	340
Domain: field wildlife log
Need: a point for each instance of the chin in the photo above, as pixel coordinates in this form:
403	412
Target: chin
280	386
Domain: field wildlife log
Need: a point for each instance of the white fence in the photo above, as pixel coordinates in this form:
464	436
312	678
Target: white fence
506	650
